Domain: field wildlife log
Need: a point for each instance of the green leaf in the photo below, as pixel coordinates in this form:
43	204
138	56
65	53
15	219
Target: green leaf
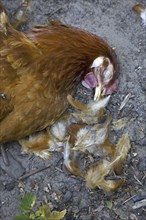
56	215
45	210
48	215
109	204
21	217
39	218
38	213
28	202
32	216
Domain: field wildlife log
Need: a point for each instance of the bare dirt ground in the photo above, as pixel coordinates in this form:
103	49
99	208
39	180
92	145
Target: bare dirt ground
115	21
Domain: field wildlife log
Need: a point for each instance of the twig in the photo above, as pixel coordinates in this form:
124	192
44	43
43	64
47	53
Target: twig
138	180
128	199
58	169
33	172
124	102
55	11
143	177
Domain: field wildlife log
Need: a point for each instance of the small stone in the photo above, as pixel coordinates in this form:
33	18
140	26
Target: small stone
10	186
139	204
133	217
139	67
134	154
14	169
46	189
142	164
67	197
144	142
139	198
69	217
87	217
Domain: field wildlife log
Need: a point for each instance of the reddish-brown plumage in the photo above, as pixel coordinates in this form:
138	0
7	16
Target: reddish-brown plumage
38	70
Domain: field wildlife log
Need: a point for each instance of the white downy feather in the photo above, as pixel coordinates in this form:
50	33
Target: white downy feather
85	137
67	154
58	130
101	135
96	106
97	62
55	145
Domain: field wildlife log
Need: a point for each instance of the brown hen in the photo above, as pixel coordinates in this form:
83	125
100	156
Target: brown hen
38	69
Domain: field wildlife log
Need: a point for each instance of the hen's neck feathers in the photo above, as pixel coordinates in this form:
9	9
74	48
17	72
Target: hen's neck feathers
61	52
70	49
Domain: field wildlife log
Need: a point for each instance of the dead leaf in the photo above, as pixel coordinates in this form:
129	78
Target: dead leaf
138	8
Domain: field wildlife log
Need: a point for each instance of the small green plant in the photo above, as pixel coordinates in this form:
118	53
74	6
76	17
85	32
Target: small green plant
43	213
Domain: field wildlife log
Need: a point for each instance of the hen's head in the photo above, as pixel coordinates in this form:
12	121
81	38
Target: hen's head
102	77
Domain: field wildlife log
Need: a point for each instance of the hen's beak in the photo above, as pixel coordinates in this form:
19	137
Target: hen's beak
98	93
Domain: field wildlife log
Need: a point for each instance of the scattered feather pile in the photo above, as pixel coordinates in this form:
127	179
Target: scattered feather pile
86	130
141	10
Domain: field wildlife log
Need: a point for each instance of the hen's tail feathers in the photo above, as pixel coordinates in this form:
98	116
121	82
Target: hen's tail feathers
4	21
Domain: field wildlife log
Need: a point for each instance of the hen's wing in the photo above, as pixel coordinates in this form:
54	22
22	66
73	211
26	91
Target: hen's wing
23	80
16	53
16	50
